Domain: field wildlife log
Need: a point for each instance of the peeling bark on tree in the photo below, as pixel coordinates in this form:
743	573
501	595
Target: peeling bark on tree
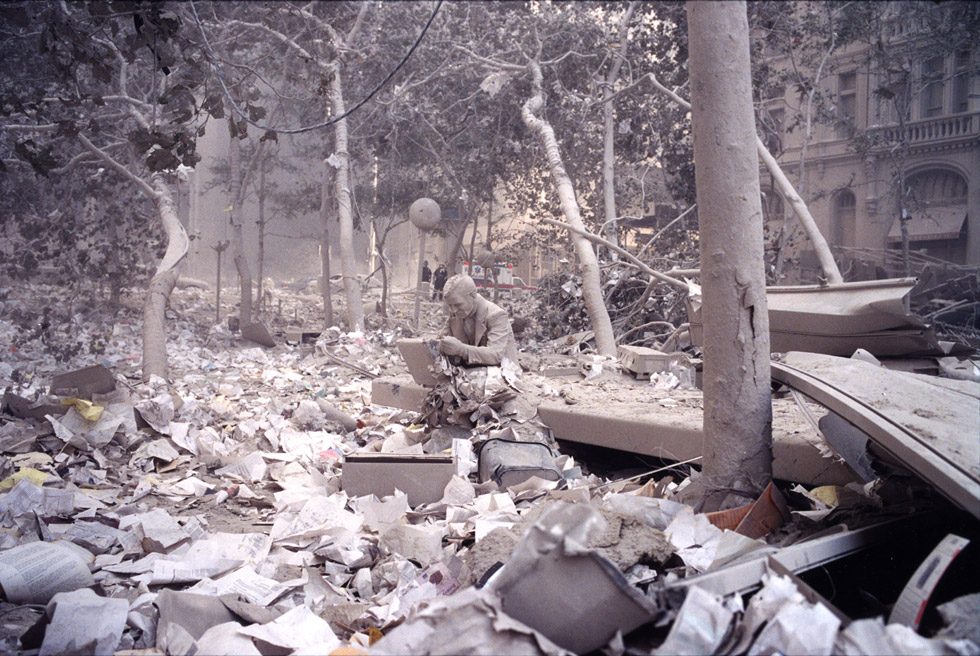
238	236
737	397
352	288
591	286
162	283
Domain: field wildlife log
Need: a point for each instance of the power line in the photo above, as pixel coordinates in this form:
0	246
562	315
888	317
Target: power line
212	58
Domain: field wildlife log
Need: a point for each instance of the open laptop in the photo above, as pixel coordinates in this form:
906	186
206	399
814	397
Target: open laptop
420	358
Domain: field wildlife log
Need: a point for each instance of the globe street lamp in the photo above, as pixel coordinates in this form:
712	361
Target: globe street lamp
424	215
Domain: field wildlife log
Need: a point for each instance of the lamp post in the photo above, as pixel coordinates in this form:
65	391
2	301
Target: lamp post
219	248
424	215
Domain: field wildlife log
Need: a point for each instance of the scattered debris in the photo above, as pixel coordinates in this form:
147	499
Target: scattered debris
299	498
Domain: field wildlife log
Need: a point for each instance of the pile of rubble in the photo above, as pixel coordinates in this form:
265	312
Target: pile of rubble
641	313
265	503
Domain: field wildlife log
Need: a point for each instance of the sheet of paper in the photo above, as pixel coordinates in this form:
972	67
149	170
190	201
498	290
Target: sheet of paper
83	622
157	412
160	449
246	582
482	526
299	630
160	530
167	572
185	616
458	492
486	503
132	567
700	627
378	515
180	434
704	546
77	431
210	557
94	536
226	639
420	543
319	514
33	573
45	501
802	628
250	469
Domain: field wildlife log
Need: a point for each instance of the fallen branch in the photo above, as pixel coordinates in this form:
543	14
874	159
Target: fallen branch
650	324
673	282
664	229
827	263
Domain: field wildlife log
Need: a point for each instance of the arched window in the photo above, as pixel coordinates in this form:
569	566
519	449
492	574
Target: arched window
844	218
937	188
935	201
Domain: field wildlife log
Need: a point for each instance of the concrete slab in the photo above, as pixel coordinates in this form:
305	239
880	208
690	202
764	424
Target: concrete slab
667	428
674	433
398	392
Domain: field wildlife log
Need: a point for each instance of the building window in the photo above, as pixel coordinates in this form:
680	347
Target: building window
845	214
931	100
846	103
962	75
936	206
937	188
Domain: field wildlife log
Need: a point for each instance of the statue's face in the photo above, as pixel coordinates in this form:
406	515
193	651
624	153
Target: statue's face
461	304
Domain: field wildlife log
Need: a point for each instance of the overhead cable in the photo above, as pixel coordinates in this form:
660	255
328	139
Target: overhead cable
212	59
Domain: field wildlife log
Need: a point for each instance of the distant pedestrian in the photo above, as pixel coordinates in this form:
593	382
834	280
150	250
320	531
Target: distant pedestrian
439	282
426	271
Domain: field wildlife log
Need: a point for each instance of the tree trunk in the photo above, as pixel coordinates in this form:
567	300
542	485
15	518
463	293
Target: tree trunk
609	130
261	226
455	233
352	288
476	225
591	284
114	269
737	398
380	244
325	290
162	283
238	235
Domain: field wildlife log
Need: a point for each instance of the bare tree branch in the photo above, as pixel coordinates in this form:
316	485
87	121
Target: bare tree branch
673	282
126	173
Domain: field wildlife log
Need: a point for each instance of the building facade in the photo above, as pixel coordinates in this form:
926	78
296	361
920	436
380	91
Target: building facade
886	147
